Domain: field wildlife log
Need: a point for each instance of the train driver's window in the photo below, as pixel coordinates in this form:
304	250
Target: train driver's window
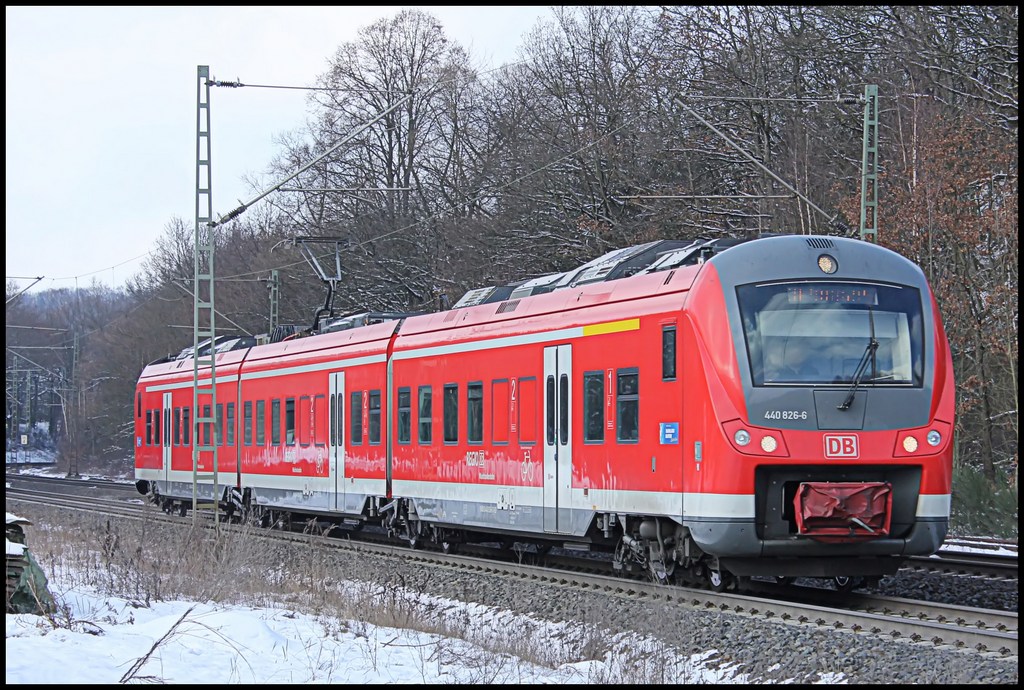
627	422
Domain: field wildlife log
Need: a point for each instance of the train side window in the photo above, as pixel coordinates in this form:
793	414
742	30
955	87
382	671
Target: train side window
475	412
261	422
404	415
177	425
247	422
424	414
451	413
206	426
668	353
627	413
186	425
275	422
356	421
149	427
304	421
528	411
593	407
318	433
218	426
374	430
499	411
231	424
289	421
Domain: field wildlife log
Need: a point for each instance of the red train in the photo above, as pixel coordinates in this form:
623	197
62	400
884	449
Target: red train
782	406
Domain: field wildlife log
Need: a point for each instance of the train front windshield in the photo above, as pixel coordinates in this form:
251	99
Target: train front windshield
822	333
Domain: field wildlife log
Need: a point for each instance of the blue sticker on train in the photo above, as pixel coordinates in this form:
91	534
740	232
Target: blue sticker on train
669	433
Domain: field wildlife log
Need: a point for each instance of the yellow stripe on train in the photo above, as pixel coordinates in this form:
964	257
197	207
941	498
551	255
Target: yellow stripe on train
612	327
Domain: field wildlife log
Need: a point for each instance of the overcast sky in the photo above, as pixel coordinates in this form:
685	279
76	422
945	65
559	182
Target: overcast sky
101	113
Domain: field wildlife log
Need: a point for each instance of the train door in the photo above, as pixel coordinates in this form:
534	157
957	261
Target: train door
337	441
165	436
557	437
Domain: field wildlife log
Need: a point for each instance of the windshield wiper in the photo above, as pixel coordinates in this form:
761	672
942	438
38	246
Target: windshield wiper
869	355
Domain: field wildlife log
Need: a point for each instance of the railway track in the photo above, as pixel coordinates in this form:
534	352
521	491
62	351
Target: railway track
984	631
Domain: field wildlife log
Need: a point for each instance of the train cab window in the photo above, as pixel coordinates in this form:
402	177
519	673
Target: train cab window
186	425
627	405
424	414
231	424
247	422
374	419
261	411
451	413
138	405
668	353
475	412
356	418
275	422
404	415
499	411
830	333
593	407
528	411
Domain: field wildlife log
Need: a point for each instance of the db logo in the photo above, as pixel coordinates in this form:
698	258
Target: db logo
840	446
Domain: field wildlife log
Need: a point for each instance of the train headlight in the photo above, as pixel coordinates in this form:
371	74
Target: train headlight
742	437
910	444
827	264
934	438
769	444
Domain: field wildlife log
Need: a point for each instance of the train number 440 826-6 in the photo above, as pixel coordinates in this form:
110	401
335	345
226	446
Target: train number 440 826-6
785	414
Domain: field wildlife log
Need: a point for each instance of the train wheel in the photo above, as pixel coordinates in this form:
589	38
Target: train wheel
182	510
783	580
448	546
